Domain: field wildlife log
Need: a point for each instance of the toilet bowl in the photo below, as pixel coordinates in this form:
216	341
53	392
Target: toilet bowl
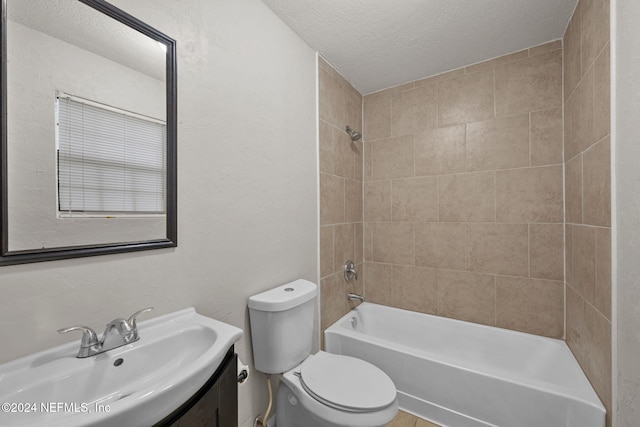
329	390
315	390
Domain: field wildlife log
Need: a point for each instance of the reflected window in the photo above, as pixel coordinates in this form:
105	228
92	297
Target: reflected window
110	161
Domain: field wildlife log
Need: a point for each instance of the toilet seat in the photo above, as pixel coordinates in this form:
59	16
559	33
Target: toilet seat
346	383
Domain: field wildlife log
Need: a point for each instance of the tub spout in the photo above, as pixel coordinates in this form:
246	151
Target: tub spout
355	297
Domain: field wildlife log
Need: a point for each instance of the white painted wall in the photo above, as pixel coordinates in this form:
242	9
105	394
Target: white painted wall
247	190
39	65
626	146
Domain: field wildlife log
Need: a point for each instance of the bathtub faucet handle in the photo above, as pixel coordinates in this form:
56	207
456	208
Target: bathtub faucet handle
350	271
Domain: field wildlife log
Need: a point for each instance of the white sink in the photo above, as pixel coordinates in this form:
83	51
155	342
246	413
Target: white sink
176	354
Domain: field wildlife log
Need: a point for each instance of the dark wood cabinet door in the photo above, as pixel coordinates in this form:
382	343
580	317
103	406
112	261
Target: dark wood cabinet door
215	404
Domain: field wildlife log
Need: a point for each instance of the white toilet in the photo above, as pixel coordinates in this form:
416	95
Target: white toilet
319	390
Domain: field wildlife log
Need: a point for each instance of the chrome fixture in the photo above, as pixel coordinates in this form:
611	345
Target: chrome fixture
354	320
355	297
350	271
118	332
355	135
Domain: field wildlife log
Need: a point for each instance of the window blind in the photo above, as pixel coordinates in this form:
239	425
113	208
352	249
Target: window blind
109	160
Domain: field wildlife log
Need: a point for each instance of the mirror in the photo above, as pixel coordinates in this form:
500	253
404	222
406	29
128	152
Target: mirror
88	150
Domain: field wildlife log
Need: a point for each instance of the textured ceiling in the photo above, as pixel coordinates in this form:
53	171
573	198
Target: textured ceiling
376	44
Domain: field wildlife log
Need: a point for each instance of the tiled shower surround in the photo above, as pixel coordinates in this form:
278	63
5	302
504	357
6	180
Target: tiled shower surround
462	212
340	191
463	198
587	156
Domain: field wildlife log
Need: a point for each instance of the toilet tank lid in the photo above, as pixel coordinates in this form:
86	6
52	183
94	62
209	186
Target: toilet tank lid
284	297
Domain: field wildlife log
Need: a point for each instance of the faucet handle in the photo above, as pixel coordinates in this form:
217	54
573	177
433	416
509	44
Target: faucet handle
89	336
132	319
350	271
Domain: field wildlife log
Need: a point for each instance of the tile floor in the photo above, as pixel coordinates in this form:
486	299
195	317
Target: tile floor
404	419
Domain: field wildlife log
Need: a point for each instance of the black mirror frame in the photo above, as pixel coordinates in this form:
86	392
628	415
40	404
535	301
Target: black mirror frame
38	255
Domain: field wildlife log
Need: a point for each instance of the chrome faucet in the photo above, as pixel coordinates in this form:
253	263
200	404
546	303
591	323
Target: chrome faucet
118	332
355	297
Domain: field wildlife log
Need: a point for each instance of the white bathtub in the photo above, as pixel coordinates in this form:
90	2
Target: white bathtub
461	374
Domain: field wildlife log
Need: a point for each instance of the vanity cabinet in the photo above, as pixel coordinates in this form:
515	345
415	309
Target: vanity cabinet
215	404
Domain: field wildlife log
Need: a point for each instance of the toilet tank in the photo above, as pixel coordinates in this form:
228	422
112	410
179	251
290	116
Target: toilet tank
282	324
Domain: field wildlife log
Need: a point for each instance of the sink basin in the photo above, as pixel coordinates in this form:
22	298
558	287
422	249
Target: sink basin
135	385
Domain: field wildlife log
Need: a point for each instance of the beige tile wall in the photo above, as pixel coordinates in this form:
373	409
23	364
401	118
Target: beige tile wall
340	191
587	155
462	201
463	193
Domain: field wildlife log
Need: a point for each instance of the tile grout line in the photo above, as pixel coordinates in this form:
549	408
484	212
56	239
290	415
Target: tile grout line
530	131
529	247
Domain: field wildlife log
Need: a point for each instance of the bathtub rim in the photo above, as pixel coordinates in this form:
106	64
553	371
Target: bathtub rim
585	395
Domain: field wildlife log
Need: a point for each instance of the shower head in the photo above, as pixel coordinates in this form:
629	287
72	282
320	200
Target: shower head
355	135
